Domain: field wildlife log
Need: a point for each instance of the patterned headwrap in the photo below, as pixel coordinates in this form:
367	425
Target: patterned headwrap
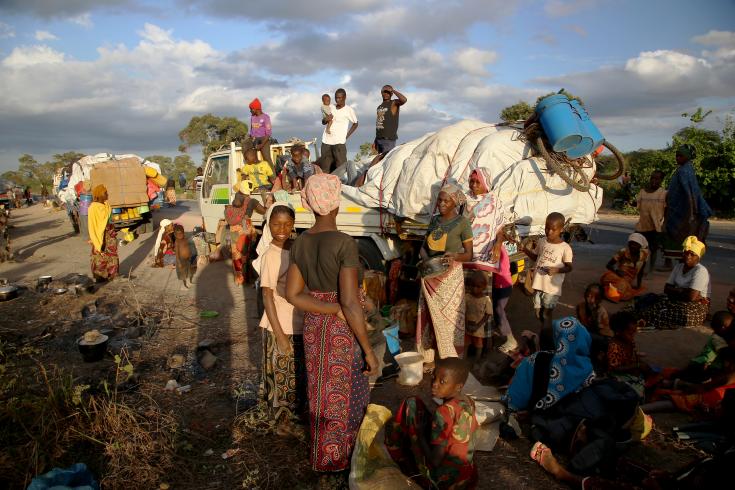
688	151
639	239
483	175
321	193
692	244
98	193
455	193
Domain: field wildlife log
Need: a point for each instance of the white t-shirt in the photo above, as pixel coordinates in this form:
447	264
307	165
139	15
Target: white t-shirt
552	255
342	119
697	278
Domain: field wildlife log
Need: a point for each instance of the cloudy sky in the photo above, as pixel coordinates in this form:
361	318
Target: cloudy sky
127	75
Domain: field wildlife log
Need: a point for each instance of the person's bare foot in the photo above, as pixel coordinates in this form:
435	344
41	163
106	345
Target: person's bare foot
542	454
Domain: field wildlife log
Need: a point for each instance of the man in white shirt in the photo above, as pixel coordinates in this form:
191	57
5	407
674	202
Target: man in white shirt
334	149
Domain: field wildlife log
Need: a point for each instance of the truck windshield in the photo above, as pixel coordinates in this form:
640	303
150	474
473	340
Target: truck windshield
216	174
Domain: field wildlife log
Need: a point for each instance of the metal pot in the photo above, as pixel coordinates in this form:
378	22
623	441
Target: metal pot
8	293
432	267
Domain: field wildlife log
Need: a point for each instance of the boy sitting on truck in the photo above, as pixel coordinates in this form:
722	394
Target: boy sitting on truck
260	174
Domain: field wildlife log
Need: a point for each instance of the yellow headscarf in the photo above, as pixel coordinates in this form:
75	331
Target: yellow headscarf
98	216
692	244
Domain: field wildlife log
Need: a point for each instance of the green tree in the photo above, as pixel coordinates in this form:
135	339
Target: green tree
165	162
212	133
66	159
519	111
37	175
366	152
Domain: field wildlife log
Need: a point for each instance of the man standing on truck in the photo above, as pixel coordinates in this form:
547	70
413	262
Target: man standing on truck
259	136
386	123
334	149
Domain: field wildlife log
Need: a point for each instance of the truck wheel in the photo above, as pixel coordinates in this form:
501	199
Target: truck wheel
370	256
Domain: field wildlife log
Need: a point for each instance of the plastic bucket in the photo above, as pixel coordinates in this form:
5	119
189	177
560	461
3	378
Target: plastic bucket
561	124
412	368
391	339
591	139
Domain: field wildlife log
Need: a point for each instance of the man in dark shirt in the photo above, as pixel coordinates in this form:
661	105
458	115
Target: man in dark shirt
386	123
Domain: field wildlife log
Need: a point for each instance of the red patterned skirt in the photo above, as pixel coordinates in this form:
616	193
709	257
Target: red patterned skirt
338	391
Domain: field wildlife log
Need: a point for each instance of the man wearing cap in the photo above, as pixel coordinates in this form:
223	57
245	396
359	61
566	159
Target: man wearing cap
334	148
259	136
386	122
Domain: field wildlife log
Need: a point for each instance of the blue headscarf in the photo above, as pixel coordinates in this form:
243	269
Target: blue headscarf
570	368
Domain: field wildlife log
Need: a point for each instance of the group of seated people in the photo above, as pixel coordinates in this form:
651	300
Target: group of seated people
290	173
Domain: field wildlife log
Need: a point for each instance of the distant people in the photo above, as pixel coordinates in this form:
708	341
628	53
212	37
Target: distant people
327	112
334	148
296	171
687	212
386	122
198	181
27	196
651	202
182	181
171	193
105	262
259	136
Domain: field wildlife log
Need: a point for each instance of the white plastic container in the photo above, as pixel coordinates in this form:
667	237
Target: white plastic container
412	368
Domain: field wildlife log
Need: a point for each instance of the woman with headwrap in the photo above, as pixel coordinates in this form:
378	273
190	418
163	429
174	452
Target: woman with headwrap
284	380
441	316
338	354
104	260
242	233
622	281
686	298
687	212
487	217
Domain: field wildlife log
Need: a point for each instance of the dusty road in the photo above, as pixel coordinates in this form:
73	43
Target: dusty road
43	244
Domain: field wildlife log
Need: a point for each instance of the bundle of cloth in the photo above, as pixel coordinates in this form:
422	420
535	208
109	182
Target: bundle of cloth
406	181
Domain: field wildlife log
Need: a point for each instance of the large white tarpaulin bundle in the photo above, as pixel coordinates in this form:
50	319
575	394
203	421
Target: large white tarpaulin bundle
406	181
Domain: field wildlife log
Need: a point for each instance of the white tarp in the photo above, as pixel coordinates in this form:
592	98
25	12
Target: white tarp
406	180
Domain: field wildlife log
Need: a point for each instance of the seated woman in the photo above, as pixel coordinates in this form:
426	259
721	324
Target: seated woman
623	279
295	172
563	368
440	323
685	302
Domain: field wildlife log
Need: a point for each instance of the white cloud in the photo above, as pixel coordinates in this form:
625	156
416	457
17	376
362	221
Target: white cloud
473	60
45	36
84	20
716	38
667	67
27	56
6	31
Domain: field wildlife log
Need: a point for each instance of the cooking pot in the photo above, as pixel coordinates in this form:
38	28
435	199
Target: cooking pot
432	267
8	292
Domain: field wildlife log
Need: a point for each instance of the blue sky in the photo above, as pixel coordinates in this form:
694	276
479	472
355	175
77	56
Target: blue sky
127	75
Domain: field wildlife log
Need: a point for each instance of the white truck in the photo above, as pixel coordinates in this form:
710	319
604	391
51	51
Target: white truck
388	215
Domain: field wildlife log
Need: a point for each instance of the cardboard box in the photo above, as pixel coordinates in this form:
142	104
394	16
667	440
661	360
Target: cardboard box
124	180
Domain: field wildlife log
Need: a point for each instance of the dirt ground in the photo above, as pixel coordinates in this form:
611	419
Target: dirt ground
150	305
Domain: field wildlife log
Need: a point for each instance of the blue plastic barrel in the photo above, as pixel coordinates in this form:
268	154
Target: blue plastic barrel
591	138
560	122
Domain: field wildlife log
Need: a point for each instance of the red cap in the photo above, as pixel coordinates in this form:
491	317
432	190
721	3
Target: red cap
255	105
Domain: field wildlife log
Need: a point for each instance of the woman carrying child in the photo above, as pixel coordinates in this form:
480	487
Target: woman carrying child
441	314
487	217
237	216
622	281
437	447
284	380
